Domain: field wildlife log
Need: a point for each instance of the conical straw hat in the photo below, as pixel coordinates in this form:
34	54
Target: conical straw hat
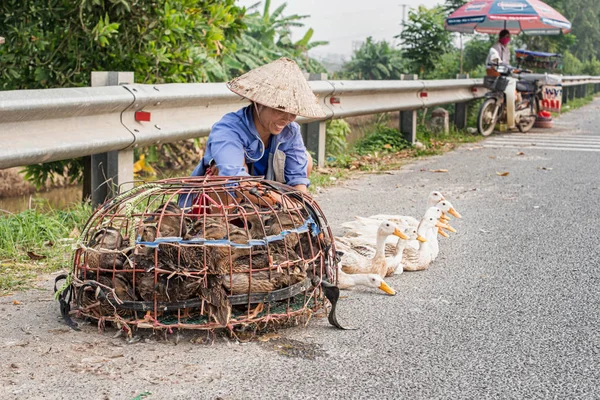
280	85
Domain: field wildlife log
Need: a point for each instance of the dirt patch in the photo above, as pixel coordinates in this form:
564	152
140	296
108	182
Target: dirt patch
295	348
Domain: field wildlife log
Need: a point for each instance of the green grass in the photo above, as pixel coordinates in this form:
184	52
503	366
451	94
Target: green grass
576	103
324	178
37	241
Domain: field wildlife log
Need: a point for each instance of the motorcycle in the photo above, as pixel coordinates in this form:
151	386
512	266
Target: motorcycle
527	100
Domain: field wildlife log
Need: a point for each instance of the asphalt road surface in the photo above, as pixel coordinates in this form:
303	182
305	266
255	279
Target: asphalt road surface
510	309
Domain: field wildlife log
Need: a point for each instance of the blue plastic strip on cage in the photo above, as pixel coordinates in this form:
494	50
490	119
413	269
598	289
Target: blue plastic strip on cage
309	226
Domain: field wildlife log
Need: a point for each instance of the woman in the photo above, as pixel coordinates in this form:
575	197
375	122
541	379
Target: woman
262	139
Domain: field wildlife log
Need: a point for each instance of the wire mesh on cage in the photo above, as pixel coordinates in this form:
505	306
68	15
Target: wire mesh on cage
202	253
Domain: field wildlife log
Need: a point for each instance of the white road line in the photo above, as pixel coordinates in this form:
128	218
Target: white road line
530	143
508	146
557	138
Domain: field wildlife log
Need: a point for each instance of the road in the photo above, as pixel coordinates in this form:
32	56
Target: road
510	309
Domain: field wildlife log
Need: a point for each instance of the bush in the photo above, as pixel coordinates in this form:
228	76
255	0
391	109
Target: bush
336	142
381	139
571	64
591	67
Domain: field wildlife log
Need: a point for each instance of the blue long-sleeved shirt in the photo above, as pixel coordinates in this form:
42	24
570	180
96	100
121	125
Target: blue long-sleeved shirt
234	139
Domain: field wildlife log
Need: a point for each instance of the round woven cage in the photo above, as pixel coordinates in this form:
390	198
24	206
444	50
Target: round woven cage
201	253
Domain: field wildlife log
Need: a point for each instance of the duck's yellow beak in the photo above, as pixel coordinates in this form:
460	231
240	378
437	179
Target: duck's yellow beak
444	218
440	224
449	228
421	239
442	233
454	212
400	234
386	288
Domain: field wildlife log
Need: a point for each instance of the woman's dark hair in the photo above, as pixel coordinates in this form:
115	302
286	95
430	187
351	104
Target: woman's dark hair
504	33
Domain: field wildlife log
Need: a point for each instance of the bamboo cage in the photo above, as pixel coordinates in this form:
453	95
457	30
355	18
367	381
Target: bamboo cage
201	253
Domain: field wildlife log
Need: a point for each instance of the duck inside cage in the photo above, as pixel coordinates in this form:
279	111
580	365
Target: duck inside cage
202	253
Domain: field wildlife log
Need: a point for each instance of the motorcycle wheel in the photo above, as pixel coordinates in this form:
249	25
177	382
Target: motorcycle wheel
526	126
485	122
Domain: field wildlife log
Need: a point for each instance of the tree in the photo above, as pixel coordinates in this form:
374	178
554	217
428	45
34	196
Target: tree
49	43
374	61
268	37
424	38
476	51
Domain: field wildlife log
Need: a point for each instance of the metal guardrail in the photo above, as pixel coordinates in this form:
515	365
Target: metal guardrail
568	81
55	124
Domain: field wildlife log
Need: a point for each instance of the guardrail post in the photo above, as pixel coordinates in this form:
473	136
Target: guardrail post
314	133
105	171
408	119
571	92
565	97
461	109
578	91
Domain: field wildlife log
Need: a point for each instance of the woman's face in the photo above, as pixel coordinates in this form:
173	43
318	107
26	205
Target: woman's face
274	120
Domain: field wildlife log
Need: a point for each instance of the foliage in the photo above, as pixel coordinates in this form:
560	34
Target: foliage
591	67
382	139
447	67
159	40
476	51
267	38
585	17
424	38
571	64
40	175
374	61
336	133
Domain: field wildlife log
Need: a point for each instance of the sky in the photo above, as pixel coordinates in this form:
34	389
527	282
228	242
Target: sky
343	23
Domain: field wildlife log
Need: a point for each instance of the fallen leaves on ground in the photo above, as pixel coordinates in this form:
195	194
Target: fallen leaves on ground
438	170
35	257
17	303
502	173
520	153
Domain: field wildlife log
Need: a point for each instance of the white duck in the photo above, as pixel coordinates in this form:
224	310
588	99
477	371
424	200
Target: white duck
394	253
419	259
365	228
349	281
354	262
403	220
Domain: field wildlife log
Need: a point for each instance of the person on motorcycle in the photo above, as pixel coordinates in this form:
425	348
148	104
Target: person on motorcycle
500	55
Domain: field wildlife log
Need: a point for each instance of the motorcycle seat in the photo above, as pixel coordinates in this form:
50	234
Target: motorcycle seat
525	86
